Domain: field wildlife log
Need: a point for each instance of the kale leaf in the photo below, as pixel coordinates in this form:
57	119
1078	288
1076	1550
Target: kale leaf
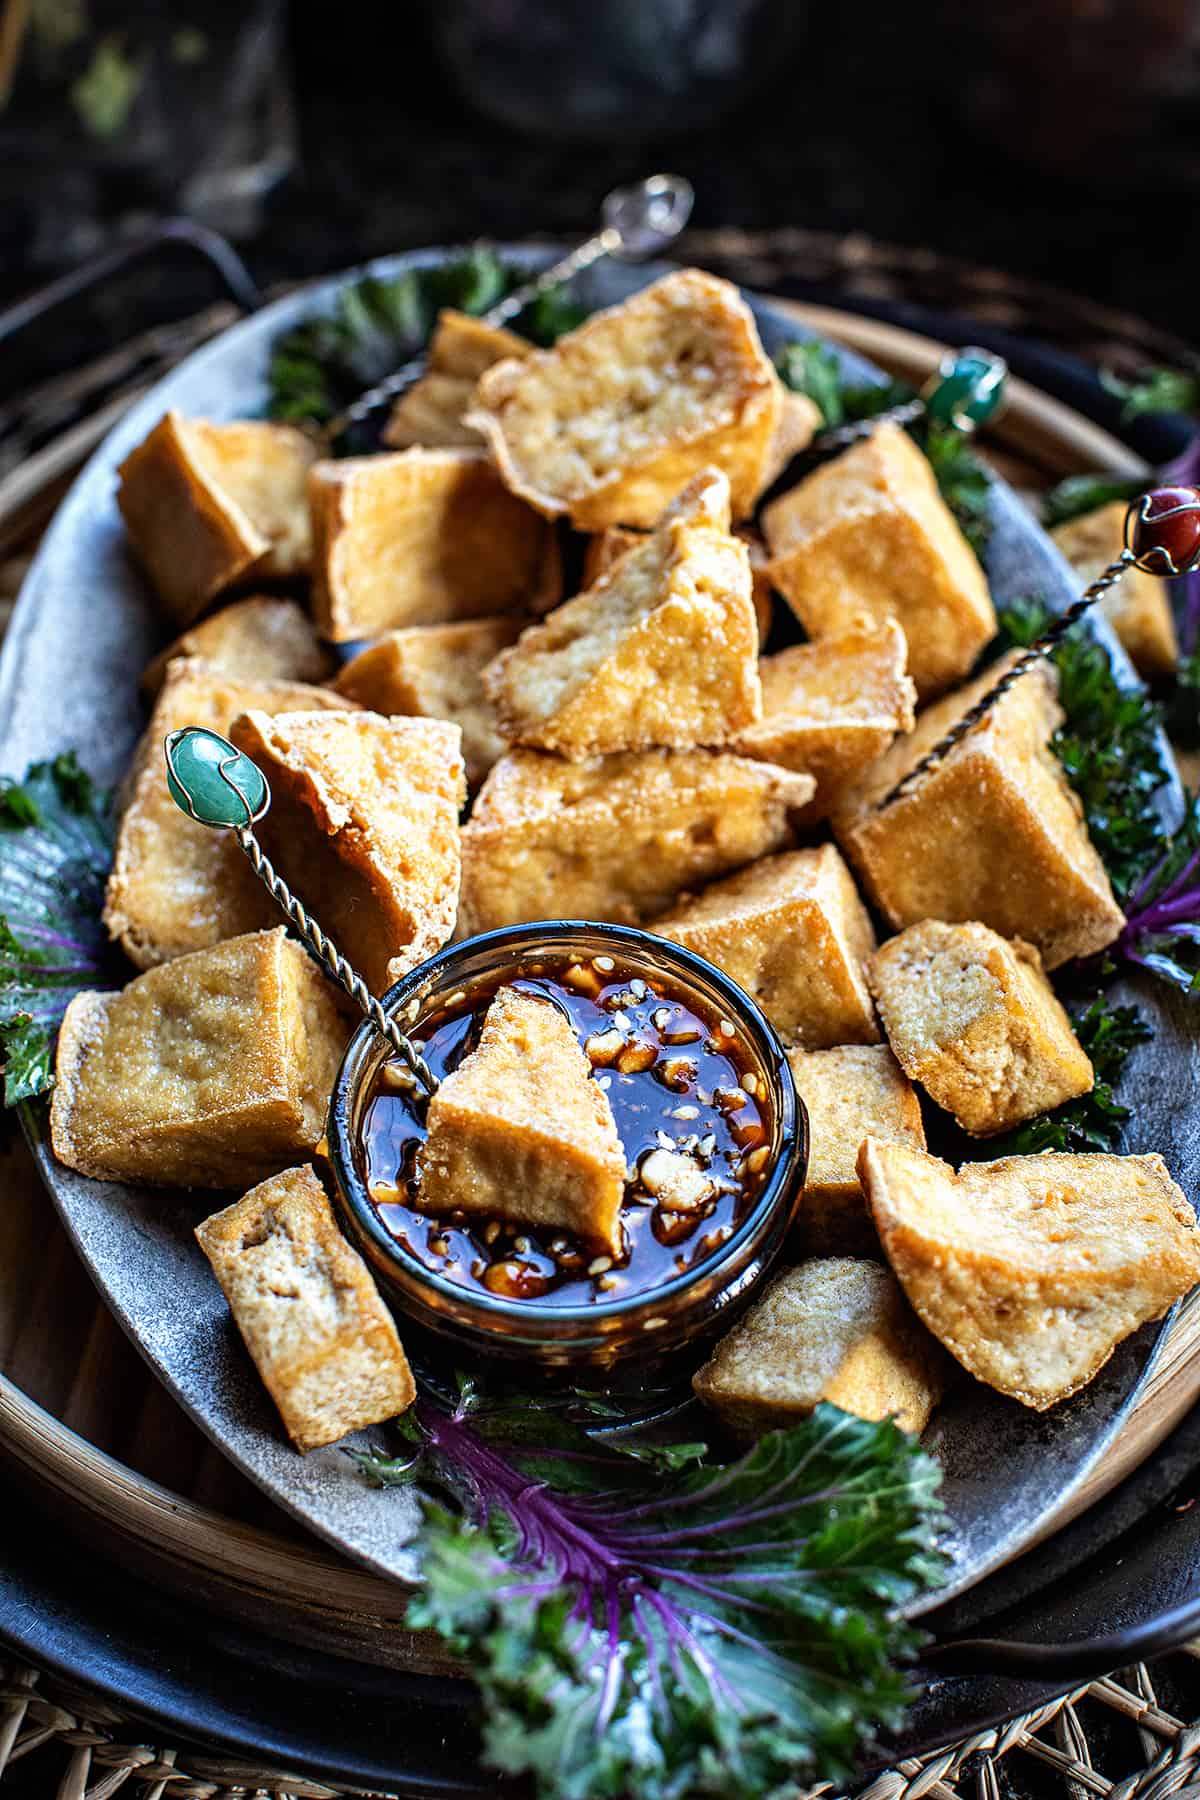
1155	391
728	1635
55	854
1162	923
1077	495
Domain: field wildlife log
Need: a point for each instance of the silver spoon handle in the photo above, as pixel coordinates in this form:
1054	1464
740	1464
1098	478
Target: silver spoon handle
342	971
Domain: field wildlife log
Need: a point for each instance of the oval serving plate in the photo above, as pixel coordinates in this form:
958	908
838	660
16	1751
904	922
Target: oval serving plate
82	632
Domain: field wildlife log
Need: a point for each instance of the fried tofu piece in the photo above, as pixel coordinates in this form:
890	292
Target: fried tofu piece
363	827
971	1016
618	837
421	537
519	1130
1138	607
432	410
208	506
212	1072
799	420
605	549
1033	1269
834	706
794	933
613	421
869	533
662	652
309	1313
852	1092
436	672
994	832
177	886
259	639
835	1329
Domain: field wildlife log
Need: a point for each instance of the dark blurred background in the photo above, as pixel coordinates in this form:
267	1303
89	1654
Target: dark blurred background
1058	140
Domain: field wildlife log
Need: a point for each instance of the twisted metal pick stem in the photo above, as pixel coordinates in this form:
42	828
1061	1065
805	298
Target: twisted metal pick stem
975	715
343	972
842	435
603	243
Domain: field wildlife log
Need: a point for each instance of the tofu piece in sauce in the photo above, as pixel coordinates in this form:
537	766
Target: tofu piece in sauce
308	1311
212	1071
209	506
834	1329
1033	1269
868	532
520	1130
972	1017
793	932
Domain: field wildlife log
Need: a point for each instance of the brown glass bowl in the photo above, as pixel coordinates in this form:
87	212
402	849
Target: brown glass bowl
649	1328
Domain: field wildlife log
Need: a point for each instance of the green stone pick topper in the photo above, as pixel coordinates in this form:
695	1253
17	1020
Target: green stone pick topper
967	390
211	781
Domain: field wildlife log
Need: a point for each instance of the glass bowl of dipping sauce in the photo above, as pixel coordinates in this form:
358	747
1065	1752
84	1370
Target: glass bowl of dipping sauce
691	1068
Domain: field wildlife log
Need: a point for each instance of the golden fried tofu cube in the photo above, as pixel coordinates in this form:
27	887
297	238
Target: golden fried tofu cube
432	410
260	639
363	827
207	506
799	421
1033	1269
869	533
175	885
794	933
834	706
1138	607
309	1313
211	1072
520	1130
606	548
613	421
852	1092
420	537
662	652
436	672
994	832
618	837
835	1329
971	1016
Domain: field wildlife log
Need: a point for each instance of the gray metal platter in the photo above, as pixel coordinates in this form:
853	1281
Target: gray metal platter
82	631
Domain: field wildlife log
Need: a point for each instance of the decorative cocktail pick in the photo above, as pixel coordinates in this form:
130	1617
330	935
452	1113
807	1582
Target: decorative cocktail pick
966	391
215	784
635	222
1162	537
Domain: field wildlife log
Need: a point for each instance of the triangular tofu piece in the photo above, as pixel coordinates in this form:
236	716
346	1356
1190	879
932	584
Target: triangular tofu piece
521	1131
461	348
1033	1269
363	826
660	653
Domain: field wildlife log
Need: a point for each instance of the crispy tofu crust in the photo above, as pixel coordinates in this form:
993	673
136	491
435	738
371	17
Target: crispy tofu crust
833	707
794	933
618	837
213	1072
605	549
421	537
309	1313
1139	607
1033	1269
363	827
972	1017
177	886
432	410
852	1092
259	639
206	506
869	533
993	833
836	1329
622	412
661	652
436	672
519	1130
799	420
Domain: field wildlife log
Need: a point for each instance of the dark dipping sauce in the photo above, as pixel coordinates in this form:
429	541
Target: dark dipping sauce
678	1079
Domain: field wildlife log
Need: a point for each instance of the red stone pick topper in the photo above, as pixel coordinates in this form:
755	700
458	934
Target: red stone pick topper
1162	531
